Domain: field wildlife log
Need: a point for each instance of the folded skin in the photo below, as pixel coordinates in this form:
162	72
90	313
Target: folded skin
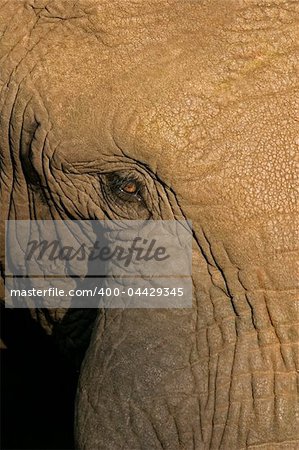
197	101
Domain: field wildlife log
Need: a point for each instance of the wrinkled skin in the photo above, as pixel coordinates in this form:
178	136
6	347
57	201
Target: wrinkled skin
197	99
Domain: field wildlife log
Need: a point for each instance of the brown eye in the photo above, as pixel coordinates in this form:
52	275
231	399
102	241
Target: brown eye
126	188
130	187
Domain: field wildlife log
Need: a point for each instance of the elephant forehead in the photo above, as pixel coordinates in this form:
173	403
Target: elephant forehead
233	143
213	144
170	57
97	43
218	102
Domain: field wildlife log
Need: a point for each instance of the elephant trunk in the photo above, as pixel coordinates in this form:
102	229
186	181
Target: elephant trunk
219	375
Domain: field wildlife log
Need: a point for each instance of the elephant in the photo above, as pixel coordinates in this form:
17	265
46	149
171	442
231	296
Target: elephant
191	106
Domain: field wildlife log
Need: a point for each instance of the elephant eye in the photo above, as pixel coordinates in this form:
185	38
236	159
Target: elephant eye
126	194
125	187
130	187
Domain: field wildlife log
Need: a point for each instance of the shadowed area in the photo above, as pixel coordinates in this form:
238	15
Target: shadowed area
38	387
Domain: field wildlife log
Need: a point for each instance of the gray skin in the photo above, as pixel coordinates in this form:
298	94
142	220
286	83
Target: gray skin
197	100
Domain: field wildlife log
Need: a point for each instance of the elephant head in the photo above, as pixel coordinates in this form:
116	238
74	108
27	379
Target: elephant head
194	103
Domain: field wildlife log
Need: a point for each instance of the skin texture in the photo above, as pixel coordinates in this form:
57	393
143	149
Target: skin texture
196	99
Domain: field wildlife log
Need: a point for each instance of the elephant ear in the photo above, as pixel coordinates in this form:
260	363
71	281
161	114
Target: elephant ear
16	21
21	114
